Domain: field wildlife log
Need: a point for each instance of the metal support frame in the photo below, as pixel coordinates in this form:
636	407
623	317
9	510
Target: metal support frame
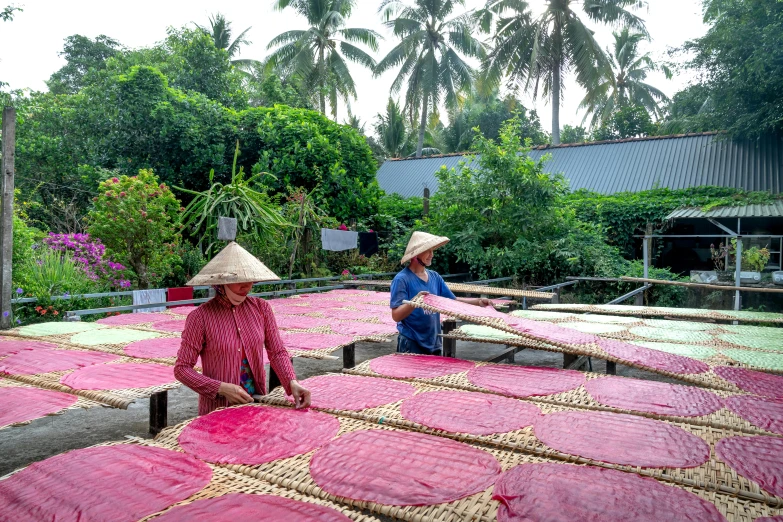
632	293
349	356
159	413
449	345
507	355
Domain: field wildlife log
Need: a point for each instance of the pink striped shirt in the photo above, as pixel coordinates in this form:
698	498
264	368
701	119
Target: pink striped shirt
217	331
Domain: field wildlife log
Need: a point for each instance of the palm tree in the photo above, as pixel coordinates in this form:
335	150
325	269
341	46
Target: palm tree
318	54
390	128
536	52
220	31
625	85
428	54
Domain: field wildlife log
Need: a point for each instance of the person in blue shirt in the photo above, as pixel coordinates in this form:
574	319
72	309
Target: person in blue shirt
419	329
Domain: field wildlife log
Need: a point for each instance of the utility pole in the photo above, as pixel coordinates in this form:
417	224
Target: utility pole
7	215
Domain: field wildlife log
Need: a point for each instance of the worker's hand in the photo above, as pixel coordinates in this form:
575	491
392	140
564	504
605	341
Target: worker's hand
483	301
234	394
300	394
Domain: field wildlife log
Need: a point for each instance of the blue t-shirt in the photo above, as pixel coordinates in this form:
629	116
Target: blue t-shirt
421	326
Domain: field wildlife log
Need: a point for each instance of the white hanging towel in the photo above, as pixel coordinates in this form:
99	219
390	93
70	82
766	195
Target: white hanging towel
149	297
338	240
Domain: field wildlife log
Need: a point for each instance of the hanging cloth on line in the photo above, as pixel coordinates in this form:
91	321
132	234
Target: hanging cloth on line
338	240
368	243
149	297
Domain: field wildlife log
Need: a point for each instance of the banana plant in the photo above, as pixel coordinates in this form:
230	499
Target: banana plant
253	210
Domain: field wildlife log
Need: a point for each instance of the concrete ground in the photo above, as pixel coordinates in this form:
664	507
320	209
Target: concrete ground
80	428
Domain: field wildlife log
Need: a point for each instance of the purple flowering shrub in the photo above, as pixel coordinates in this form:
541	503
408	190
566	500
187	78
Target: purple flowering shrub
90	254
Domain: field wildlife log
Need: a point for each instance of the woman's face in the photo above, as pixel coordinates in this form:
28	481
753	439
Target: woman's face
240	288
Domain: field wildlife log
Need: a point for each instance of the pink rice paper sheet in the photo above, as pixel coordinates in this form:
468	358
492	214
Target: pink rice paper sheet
759	459
33	362
14	346
175	326
618	438
761	411
183	310
354	393
122	483
457	307
22	404
347	315
293	310
363	329
418	366
120	376
158	348
653	397
566	493
259	508
126	319
525	381
760	383
654	359
299	322
314	341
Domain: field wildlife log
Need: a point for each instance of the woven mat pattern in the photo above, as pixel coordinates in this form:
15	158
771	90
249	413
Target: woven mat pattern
81	402
652	311
579	398
294	473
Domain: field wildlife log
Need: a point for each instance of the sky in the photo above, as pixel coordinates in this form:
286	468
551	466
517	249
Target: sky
29	45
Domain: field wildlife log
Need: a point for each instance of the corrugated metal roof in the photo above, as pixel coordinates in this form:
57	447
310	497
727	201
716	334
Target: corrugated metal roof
634	165
772	210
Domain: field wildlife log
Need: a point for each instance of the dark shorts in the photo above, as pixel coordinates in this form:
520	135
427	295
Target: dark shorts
408	345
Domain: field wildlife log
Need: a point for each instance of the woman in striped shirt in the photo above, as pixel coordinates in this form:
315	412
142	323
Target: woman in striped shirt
229	333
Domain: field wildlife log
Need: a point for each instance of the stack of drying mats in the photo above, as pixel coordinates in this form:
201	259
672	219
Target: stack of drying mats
116	360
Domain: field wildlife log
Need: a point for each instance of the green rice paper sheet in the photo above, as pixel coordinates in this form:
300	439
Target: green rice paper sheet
750	341
756	331
686	350
112	336
595	328
57	328
609	319
485	332
680	325
542	315
668	334
767	361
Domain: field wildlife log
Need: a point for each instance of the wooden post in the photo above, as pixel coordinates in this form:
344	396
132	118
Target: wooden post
638	299
7	225
426	203
556	296
611	368
159	412
349	356
449	345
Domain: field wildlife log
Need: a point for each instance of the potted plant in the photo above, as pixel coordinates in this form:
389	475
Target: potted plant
720	259
754	260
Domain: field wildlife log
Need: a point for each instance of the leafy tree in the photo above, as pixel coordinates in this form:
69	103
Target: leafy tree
536	53
571	134
136	219
7	14
318	54
265	88
624	84
630	121
428	55
84	57
741	59
391	130
690	110
304	149
220	31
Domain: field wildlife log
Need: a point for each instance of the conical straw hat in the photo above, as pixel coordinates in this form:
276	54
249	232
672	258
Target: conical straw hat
233	264
421	242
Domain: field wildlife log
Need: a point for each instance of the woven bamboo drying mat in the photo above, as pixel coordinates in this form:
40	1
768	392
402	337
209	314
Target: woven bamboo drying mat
767	363
577	398
714	475
120	398
293	473
651	311
472	289
81	402
527	340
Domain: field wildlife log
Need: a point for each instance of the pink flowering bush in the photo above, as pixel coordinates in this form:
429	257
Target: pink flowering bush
90	254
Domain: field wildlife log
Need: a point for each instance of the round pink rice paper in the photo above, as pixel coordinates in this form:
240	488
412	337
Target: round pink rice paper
183	310
259	508
370	329
120	376
354	393
122	483
456	308
622	439
760	383
33	362
12	346
566	493
525	381
175	325
21	404
760	411
418	366
653	397
469	412
758	459
255	435
313	341
402	468
158	348
126	319
346	315
299	322
653	359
